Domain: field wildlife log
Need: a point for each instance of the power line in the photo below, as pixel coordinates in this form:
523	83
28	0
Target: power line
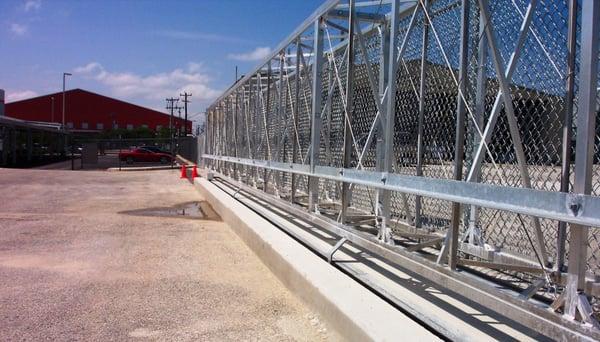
196	115
171	105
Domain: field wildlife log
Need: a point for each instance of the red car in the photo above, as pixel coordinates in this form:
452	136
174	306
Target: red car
144	155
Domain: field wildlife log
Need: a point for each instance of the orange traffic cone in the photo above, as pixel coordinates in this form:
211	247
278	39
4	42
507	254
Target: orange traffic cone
183	171
195	172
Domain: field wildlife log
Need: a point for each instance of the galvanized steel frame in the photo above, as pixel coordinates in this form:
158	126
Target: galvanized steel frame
263	133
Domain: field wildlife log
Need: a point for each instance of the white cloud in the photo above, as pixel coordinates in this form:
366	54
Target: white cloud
18	29
194	67
155	87
19	95
32	5
257	54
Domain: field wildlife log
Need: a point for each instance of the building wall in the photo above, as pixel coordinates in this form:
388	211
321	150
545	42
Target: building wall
87	110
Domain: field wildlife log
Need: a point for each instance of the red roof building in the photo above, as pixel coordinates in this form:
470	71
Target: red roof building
87	111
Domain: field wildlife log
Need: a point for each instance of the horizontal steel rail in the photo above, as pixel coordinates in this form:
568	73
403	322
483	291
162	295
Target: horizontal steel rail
530	314
572	208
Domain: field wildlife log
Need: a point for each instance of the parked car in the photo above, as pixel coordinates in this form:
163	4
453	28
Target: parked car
155	149
144	155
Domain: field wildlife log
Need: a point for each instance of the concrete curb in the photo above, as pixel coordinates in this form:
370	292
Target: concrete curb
352	310
142	168
182	159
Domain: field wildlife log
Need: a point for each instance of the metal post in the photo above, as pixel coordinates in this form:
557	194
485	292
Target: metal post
202	141
383	81
227	132
348	143
236	174
586	133
248	142
215	135
256	121
460	130
478	118
5	136
280	113
65	74
73	154
208	139
226	137
206	162
266	121
119	155
295	113
232	134
29	145
567	128
219	138
212	137
13	146
388	130
421	118
328	103
316	122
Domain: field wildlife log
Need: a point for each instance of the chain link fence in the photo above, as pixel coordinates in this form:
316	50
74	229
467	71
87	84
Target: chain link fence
517	112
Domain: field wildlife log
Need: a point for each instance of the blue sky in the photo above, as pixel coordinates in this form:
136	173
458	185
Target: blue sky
140	51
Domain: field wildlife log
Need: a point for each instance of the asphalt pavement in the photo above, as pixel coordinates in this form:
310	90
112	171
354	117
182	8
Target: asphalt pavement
80	259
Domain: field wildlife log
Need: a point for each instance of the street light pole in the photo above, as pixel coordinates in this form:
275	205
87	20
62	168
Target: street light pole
65	74
52	110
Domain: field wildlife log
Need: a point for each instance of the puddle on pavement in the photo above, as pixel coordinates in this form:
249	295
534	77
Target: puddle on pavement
190	210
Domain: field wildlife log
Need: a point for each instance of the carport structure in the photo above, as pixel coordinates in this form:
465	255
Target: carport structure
26	142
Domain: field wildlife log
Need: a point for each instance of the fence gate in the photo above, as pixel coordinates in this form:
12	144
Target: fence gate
459	131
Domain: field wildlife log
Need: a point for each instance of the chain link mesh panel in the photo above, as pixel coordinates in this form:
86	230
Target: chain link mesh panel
269	117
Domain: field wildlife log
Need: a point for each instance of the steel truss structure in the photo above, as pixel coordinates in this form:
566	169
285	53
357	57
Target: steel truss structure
449	134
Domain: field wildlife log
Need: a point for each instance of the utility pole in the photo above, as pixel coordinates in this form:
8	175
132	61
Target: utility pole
185	103
65	74
178	122
171	106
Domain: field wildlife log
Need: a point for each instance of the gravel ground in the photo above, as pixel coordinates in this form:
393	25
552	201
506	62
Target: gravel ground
73	266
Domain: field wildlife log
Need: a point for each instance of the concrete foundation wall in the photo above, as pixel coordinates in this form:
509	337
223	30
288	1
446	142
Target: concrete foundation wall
355	312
